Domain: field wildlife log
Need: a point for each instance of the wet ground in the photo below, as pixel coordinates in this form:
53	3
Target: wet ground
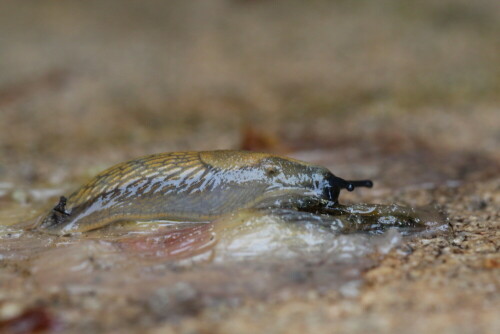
404	95
289	278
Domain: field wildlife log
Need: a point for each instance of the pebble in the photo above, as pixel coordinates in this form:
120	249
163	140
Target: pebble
10	310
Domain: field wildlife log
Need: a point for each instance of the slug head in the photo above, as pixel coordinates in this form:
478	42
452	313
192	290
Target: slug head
318	180
282	179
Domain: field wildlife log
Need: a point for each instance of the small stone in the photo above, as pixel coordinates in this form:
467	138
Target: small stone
20	196
483	247
458	240
350	289
10	310
492	263
477	203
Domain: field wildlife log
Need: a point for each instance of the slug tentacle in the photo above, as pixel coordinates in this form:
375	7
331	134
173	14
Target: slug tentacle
351	185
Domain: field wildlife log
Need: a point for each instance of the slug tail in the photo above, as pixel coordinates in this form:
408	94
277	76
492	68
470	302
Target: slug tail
57	216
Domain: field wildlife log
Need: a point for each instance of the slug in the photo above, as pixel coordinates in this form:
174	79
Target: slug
196	187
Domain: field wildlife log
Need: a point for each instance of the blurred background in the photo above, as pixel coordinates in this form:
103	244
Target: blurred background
406	93
84	84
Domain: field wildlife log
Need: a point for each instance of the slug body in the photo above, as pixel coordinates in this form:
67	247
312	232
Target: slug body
195	186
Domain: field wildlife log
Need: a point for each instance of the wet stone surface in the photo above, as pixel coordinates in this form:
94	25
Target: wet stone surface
146	274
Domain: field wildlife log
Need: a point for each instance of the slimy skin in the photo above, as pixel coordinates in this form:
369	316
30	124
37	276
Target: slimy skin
195	187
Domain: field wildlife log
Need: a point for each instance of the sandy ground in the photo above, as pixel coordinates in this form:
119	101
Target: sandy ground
405	94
